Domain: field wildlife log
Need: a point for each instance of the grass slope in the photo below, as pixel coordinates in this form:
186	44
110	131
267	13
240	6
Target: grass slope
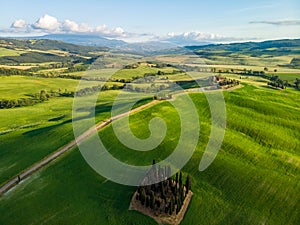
253	180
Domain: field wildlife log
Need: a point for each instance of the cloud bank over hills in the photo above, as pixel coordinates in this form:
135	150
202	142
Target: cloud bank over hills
51	25
48	24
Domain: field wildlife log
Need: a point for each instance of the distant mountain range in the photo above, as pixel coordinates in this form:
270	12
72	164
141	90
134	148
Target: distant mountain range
89	43
87	40
270	47
141	47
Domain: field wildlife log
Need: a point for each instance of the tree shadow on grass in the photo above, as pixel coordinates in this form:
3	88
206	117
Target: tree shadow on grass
41	130
102	108
56	118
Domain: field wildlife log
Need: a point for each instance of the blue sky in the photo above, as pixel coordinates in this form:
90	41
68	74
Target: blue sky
222	19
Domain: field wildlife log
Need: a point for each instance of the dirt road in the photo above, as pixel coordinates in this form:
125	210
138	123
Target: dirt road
27	172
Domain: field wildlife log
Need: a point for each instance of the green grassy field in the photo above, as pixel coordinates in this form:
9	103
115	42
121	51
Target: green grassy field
9	52
249	61
255	68
46	126
15	87
21	87
42	128
121	73
253	180
288	76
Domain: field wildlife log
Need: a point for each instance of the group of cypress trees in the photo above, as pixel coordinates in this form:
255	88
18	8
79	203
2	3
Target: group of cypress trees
166	196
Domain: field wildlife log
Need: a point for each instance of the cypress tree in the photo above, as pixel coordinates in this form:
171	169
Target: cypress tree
152	200
188	184
180	179
139	190
175	190
153	187
166	209
171	207
147	201
181	194
177	209
178	206
158	202
172	204
143	196
162	189
153	162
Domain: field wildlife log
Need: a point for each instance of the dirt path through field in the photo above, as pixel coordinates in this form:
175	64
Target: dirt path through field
27	172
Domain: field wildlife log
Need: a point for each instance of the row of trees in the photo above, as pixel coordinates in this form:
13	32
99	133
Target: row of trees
278	83
148	89
223	81
245	72
7	104
12	103
42	96
275	81
96	89
166	196
12	71
157	64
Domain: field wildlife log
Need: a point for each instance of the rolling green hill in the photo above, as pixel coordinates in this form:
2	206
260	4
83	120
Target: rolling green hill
253	180
268	53
275	48
18	51
45	45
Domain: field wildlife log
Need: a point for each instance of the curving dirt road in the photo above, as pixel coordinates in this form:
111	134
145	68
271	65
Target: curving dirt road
27	172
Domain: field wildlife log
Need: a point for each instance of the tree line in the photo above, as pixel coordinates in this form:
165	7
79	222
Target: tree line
274	80
42	96
36	98
223	81
278	83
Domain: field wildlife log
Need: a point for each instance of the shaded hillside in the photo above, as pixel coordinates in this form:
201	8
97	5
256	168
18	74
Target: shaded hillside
274	48
45	45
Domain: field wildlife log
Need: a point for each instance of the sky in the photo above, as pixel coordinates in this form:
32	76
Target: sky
134	20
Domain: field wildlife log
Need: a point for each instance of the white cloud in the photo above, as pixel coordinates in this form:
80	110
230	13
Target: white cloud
118	30
50	25
279	23
194	38
171	34
47	23
72	26
18	24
